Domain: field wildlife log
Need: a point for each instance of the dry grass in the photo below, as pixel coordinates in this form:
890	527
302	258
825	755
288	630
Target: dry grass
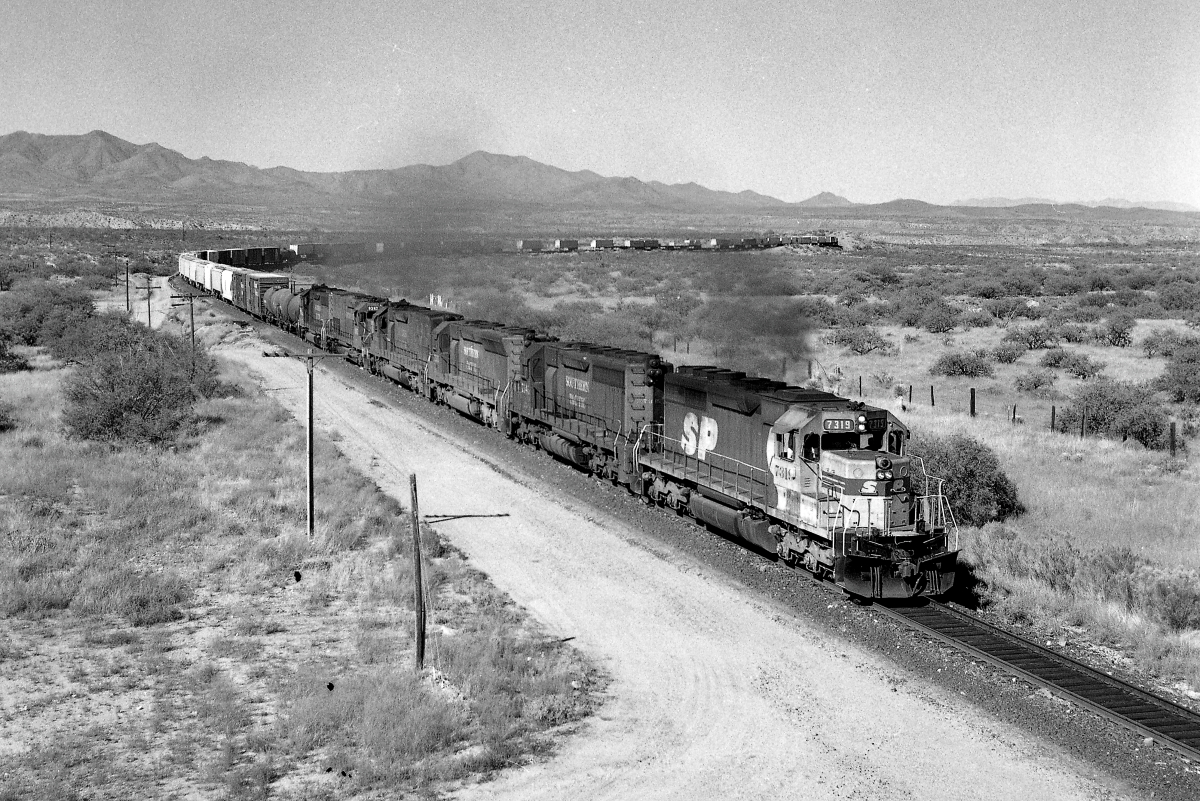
166	581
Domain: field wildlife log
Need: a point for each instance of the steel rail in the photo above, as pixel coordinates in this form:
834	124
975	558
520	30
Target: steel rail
1164	721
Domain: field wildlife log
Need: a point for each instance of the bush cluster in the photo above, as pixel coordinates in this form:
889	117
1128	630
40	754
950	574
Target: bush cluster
1077	364
10	362
1168	596
131	384
1117	409
1039	382
1008	353
971	365
976	488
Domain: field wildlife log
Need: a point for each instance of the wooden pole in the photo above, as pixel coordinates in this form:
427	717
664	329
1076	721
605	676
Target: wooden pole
910	394
932	400
311	494
1053	414
149	289
972	401
1172	439
418	589
128	306
860	386
1083	424
1014	414
810	368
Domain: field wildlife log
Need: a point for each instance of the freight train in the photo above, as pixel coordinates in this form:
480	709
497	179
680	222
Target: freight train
813	479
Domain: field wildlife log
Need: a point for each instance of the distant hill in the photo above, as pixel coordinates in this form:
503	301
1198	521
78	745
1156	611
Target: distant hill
98	164
1112	203
825	200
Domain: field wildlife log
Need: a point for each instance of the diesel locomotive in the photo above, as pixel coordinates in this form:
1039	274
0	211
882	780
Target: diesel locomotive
808	477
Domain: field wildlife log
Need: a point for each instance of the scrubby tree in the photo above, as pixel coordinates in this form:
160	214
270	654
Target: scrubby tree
939	318
1181	378
1118	329
860	340
976	488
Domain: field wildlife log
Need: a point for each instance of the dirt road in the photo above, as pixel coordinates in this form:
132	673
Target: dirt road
716	694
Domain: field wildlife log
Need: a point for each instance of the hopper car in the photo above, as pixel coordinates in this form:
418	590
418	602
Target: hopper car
813	479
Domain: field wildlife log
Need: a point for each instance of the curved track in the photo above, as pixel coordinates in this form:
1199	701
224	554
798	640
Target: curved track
1170	724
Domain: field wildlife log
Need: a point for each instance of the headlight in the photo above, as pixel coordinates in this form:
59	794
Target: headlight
862	428
887	473
881	475
862	418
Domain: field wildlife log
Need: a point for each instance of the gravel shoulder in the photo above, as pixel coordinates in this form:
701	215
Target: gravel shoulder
719	688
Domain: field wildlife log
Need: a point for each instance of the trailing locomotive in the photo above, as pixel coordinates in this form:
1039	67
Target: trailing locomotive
816	480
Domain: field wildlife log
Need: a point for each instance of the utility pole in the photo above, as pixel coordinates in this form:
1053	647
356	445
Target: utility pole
310	361
128	307
418	587
191	303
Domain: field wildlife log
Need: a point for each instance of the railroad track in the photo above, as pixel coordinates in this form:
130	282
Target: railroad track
1167	723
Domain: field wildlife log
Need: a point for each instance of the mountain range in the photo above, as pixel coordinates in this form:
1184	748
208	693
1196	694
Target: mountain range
100	166
1111	202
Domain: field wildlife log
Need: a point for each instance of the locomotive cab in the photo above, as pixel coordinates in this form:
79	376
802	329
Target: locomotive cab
858	505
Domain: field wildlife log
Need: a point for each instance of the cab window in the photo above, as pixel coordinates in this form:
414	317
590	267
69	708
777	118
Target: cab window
785	445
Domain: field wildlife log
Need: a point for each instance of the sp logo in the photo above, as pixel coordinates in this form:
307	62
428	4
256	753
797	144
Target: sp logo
699	435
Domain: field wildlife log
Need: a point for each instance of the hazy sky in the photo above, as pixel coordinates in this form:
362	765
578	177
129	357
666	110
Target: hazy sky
872	100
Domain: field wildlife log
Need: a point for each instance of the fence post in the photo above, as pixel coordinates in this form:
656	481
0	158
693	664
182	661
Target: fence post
1053	411
1172	439
1014	414
932	400
972	401
910	394
860	386
418	588
1083	424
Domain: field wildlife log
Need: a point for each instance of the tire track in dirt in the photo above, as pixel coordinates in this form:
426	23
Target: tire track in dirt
716	693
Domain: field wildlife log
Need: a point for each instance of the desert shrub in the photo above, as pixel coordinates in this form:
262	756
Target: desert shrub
143	393
1037	381
35	310
1008	353
860	340
10	362
1033	337
1117	409
1055	357
1083	366
1074	333
971	365
1165	342
8	420
976	488
976	319
939	318
1118	330
1181	377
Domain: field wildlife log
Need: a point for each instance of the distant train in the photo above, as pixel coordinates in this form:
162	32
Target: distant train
811	478
821	239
